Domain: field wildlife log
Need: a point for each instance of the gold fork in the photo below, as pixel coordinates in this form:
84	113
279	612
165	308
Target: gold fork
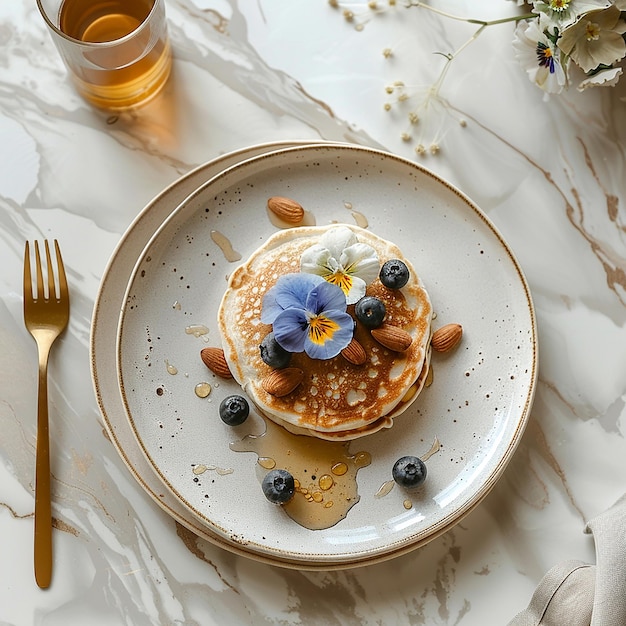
46	313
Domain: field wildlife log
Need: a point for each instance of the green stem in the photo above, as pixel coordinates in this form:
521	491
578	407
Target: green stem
469	20
452	56
502	20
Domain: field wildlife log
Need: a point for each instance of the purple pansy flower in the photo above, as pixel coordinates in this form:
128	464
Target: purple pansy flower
308	314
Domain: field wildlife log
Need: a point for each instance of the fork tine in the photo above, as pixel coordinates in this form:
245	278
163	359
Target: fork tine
28	281
64	292
40	294
51	287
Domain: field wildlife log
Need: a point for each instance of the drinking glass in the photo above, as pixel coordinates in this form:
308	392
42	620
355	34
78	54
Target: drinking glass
117	52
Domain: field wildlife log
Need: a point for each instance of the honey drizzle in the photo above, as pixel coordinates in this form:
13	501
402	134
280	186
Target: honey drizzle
203	390
360	219
324	471
435	447
225	246
201	468
197	330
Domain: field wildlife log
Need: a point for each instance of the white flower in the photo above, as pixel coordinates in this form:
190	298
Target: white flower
340	259
562	13
540	57
595	39
605	78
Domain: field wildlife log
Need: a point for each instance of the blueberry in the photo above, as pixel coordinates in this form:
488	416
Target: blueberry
234	410
370	311
409	472
394	274
278	486
274	354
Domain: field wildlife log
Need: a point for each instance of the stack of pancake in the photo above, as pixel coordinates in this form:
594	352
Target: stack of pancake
336	400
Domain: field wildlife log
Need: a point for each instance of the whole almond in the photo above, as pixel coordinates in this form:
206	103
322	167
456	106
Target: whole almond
286	209
215	360
282	382
446	337
392	337
354	353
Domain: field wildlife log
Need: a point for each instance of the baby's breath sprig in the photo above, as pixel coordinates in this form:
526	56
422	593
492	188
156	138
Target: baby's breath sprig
425	128
360	14
431	107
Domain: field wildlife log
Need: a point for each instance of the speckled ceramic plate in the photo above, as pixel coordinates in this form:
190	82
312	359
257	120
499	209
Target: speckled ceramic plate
476	407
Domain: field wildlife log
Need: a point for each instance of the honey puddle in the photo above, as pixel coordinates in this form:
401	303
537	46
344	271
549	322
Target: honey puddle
324	471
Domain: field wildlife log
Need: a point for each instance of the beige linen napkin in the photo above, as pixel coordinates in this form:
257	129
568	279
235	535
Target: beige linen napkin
574	593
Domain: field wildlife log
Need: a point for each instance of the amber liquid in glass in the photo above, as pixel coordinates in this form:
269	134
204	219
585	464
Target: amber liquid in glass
126	72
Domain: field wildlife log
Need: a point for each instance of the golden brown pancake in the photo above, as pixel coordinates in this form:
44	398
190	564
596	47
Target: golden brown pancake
337	400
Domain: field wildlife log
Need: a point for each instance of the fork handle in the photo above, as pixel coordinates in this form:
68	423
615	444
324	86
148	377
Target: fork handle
43	505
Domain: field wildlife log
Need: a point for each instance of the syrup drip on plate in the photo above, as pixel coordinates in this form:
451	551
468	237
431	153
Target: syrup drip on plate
197	330
324	472
201	468
388	485
359	218
202	390
225	246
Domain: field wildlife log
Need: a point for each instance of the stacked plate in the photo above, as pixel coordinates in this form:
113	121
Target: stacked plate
156	309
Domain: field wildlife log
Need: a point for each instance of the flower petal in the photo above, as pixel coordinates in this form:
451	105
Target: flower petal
290	290
360	260
357	290
318	260
605	78
337	239
290	329
325	296
328	334
563	14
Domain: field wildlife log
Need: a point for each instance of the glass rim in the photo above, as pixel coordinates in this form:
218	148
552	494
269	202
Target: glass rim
94	44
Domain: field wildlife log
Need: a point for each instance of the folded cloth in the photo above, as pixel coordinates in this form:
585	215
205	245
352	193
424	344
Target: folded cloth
574	593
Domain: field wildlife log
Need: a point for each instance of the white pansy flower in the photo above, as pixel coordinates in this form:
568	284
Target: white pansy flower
540	57
342	260
562	13
605	78
595	39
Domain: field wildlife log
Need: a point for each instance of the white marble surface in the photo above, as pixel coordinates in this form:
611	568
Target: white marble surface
548	173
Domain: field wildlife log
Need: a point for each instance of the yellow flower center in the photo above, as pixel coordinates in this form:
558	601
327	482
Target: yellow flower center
321	329
592	31
559	5
342	280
